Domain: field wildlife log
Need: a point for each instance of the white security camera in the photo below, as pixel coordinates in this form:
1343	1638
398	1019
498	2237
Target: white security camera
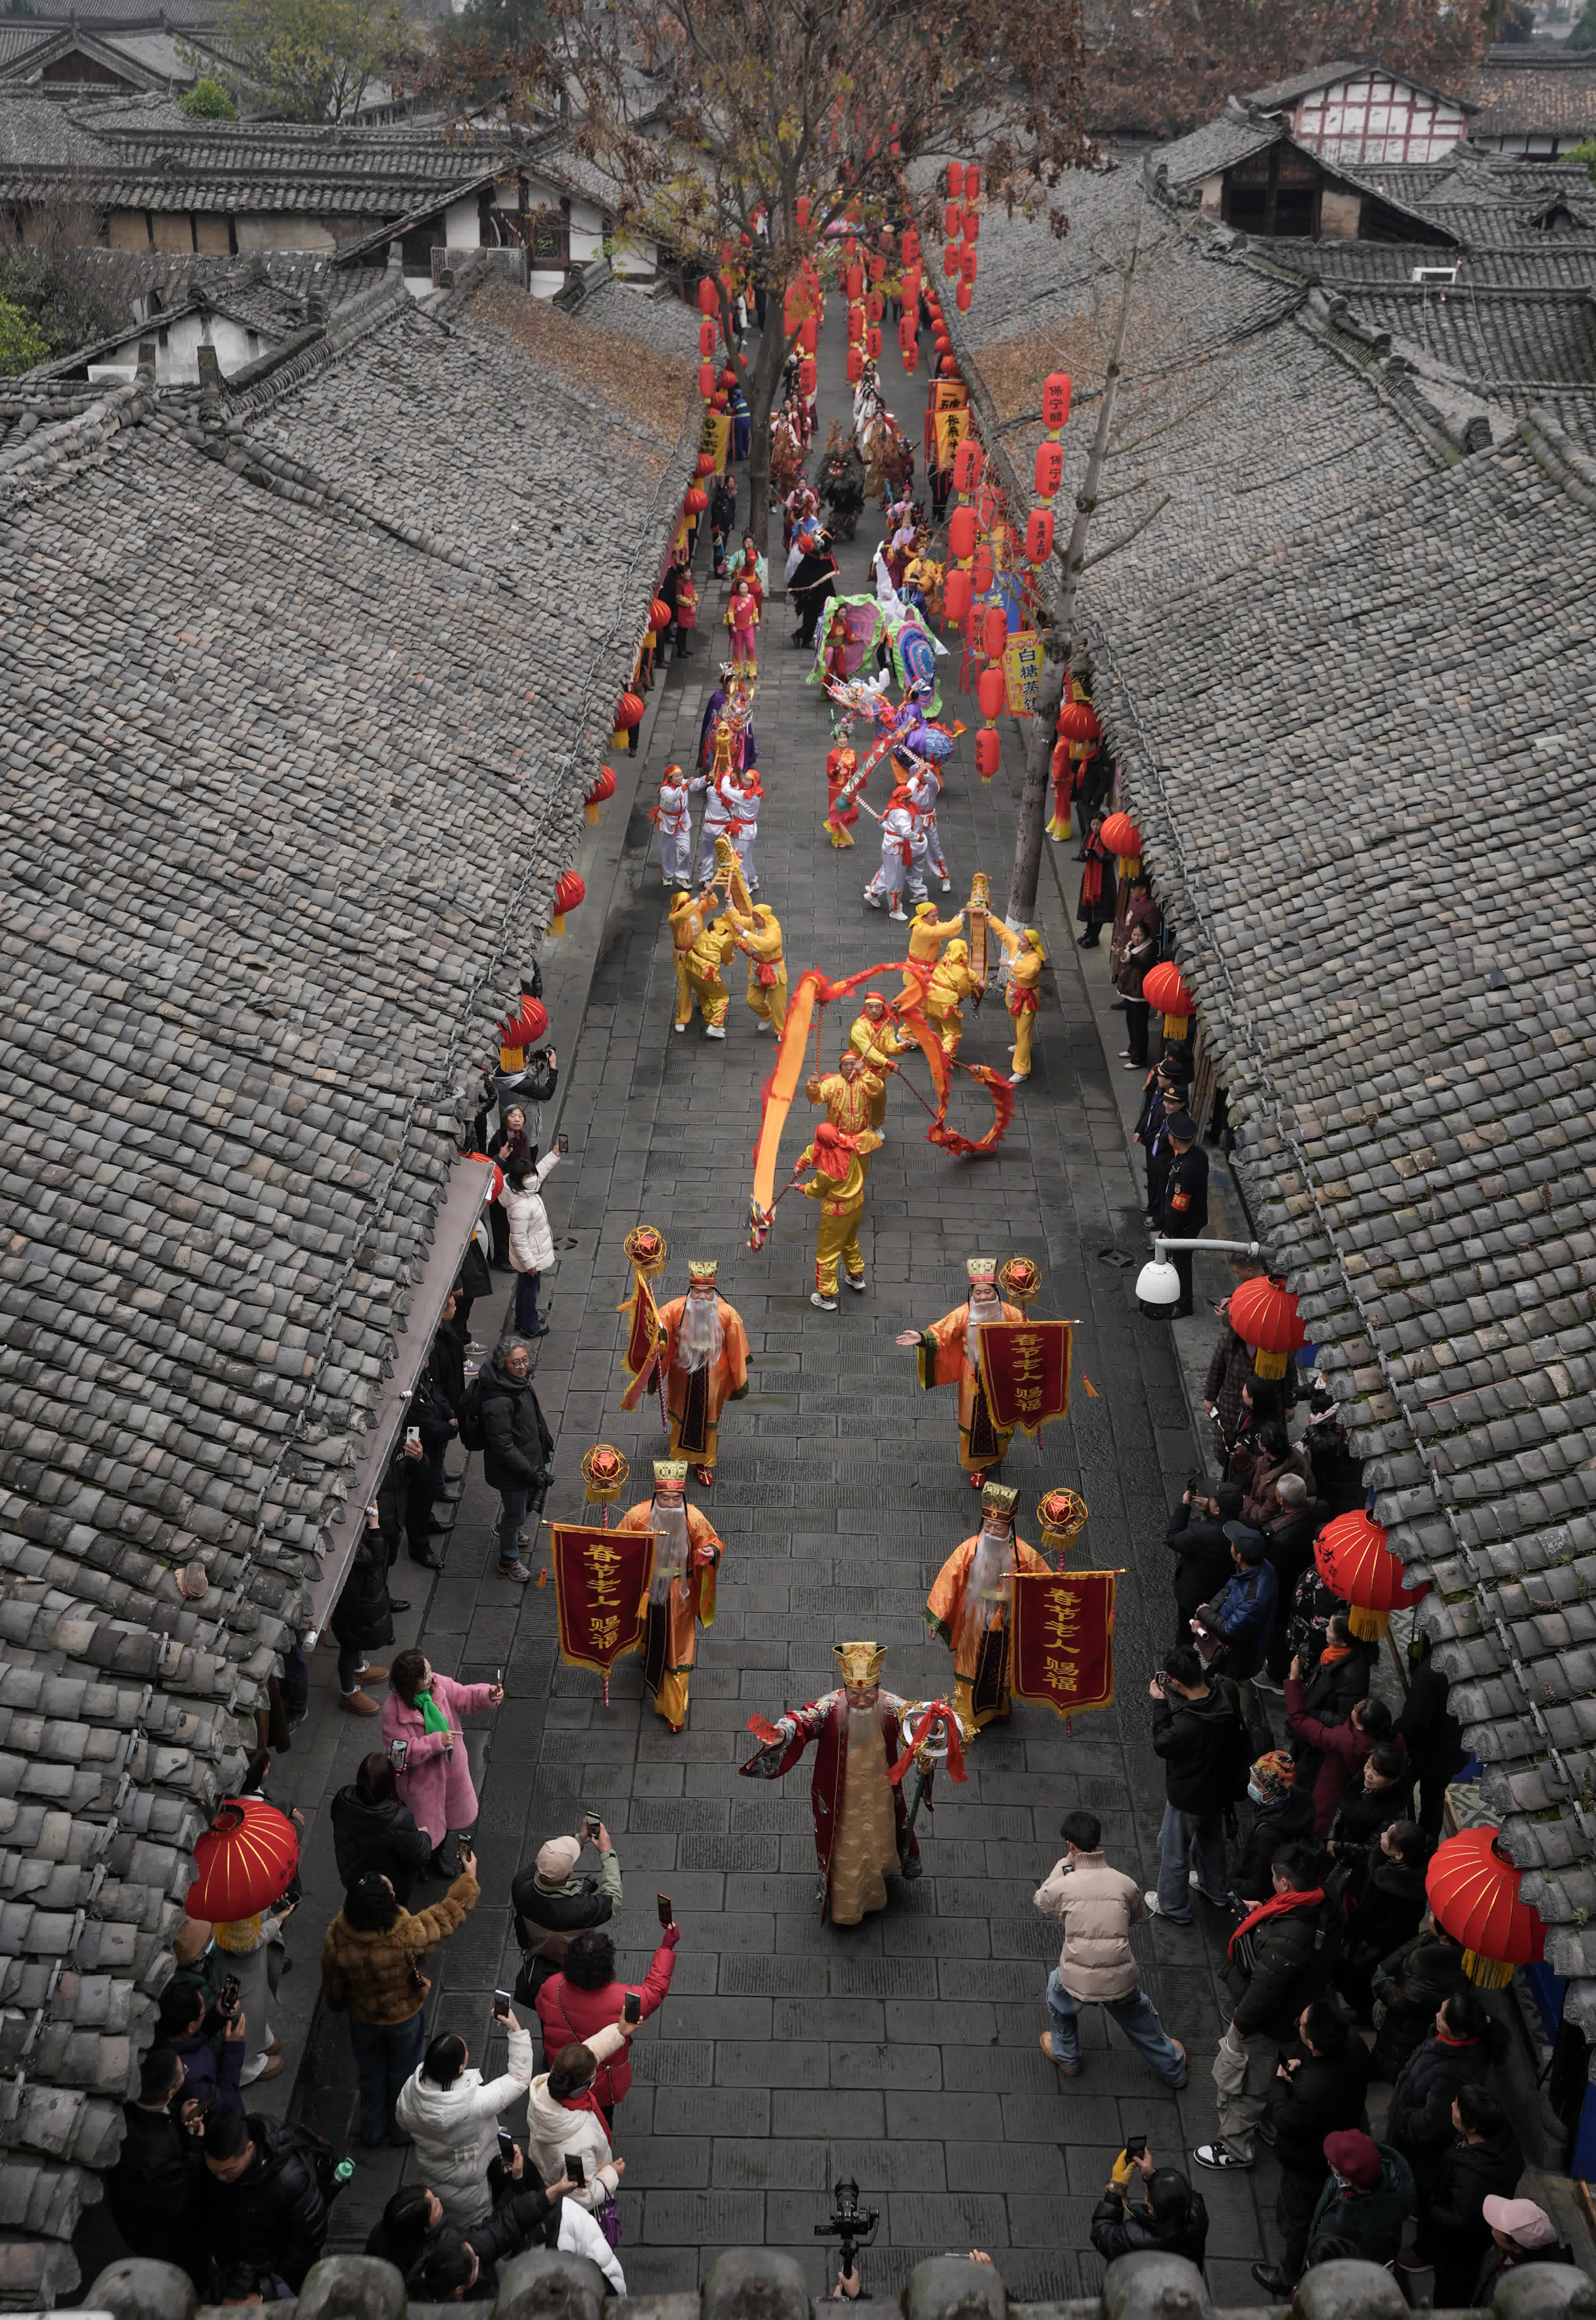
1159	1289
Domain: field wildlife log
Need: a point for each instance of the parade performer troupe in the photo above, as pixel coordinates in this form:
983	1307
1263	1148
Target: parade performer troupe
705	1356
681	1594
1027	959
971	1606
701	948
759	938
950	1353
839	1161
861	1821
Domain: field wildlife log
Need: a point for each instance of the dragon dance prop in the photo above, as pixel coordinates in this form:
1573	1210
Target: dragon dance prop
866	622
814	991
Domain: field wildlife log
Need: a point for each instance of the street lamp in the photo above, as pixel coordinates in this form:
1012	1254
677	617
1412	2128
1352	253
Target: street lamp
1158	1284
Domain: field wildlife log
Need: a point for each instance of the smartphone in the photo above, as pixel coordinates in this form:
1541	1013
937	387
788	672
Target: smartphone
572	2163
506	2146
632	2010
412	1434
593	1824
202	2103
501	2008
229	1998
398	1750
562	1142
662	1902
1135	2145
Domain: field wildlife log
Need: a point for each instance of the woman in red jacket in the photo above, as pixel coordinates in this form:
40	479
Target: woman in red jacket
585	1997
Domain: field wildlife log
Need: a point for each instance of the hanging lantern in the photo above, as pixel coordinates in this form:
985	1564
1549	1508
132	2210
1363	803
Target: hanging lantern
875	307
856	323
967	263
873	340
693	501
809	334
877	269
940	339
1055	400
1039	535
950	259
972	225
953	219
911	355
628	711
962	296
955	597
853	281
807	375
603	784
961	532
1472	1890
1121	837
1356	1563
990	692
969	462
709	297
1050	469
947	367
1264	1315
1077	721
1163	986
706	380
718	400
911	247
988	752
568	891
706	337
728	378
658	617
244	1861
707	464
955	179
801	211
973	182
855	365
994	633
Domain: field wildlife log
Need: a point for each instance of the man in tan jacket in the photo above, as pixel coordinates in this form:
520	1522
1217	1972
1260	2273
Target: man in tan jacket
1097	1906
371	1970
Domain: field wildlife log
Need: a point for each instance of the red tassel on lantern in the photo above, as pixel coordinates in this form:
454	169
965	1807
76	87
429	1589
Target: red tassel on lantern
1039	535
955	597
990	694
961	532
1050	469
988	752
1056	399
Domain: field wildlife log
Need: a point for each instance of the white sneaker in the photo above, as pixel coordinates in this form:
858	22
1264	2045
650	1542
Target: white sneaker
902	917
714	1031
860	1284
873	901
826	1304
1155	1911
947	885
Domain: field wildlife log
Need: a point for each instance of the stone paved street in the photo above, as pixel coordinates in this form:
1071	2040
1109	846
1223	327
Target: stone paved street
904	2051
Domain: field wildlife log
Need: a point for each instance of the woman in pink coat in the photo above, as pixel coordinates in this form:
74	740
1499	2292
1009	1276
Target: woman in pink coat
425	1711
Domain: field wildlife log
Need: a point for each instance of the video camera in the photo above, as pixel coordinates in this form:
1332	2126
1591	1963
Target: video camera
853	2227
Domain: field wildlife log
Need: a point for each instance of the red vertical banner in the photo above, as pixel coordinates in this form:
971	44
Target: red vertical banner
1063	1650
1025	1368
599	1579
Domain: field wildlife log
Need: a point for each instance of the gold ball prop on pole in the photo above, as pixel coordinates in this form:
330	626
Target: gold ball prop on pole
1062	1516
647	1249
606	1473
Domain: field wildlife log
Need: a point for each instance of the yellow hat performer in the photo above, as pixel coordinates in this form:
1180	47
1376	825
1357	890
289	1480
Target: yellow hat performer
950	1353
681	1595
971	1606
706	1365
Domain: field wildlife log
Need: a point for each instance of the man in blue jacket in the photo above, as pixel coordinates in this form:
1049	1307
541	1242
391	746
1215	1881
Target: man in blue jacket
1240	1618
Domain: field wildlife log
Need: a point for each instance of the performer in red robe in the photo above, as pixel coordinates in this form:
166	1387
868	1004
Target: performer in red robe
861	1820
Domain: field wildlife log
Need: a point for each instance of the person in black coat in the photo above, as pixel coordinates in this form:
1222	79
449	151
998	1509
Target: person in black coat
1199	1733
446	1367
363	1620
1283	1814
1433	1738
1288	1543
371	1829
1165	1092
154	2190
1486	2158
1384	1902
1382	1792
1195	1536
1458	2053
517	1447
1173	2222
1408	1985
1184	1210
260	2204
552	1902
1320	2093
413	2237
1339	1680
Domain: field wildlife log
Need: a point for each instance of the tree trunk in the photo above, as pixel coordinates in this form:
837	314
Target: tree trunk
760	387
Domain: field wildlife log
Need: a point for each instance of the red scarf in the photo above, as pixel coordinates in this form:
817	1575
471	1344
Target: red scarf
1277	1905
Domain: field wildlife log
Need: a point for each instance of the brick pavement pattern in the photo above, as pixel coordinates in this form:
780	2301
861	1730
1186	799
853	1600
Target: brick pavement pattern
902	2051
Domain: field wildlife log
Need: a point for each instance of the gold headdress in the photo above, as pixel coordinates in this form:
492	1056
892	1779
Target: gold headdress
998	1499
702	1268
982	1268
860	1663
671	1471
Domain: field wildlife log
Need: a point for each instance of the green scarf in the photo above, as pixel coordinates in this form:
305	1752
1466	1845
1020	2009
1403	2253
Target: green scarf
434	1719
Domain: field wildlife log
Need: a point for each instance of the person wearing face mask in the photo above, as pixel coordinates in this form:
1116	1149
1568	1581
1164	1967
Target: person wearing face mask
1368	2196
688	1552
1283	1814
971	1607
950	1354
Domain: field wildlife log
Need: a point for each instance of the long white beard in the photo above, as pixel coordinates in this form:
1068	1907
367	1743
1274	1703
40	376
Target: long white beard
982	1309
701	1337
670	1550
989	1585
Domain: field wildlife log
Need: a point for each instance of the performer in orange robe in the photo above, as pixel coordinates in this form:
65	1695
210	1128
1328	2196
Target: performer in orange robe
948	1353
681	1590
878	1041
841	765
849	1094
706	1361
971	1606
861	1820
927	935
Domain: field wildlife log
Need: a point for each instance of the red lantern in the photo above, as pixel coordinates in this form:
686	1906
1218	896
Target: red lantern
967	262
877	269
962	297
568	891
973	182
603	784
951	260
968	461
718	400
980	577
990	692
728	378
875	305
1121	837
628	711
658	621
801	211
953	219
809	334
1472	1892
706	463
988	752
853	281
972	225
1077	721
955	178
940	339
1056	399
245	1860
855	365
1264	1315
1039	535
706	380
874	341
1353	1557
955	596
1050	469
947	367
961	532
994	633
709	297
1165	986
694	501
911	247
706	337
807	375
911	355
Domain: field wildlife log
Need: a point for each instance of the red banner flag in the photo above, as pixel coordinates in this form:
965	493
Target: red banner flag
642	1341
1063	1650
599	1579
1025	1368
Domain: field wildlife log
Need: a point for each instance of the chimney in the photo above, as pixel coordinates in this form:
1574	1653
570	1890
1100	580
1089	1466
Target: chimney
146	362
316	304
210	381
395	257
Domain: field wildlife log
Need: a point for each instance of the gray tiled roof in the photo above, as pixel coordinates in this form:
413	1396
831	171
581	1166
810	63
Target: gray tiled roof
1493	337
1522	95
291	777
1215	147
1334	647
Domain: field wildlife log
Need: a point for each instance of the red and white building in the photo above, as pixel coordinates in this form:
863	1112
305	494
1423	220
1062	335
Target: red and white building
1355	112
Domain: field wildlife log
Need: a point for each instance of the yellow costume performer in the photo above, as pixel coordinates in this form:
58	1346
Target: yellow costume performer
1027	959
850	1094
971	1607
927	935
759	938
839	1165
950	1354
681	1590
951	985
706	1365
700	948
877	1042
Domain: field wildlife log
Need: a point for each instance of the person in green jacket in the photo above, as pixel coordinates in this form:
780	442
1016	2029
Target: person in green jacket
1369	2196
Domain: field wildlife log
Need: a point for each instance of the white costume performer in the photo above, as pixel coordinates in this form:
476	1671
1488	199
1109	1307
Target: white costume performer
674	826
725	811
924	786
903	857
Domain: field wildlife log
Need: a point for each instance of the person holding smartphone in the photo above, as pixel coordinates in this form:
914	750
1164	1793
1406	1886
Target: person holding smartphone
552	1902
531	1243
566	2129
585	1998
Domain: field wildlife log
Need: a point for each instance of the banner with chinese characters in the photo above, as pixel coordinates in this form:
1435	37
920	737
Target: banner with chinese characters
1063	1639
599	1579
1022	673
1025	1368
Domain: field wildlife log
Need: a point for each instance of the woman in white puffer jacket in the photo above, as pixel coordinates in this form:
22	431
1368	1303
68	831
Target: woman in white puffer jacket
532	1244
452	2115
564	2120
